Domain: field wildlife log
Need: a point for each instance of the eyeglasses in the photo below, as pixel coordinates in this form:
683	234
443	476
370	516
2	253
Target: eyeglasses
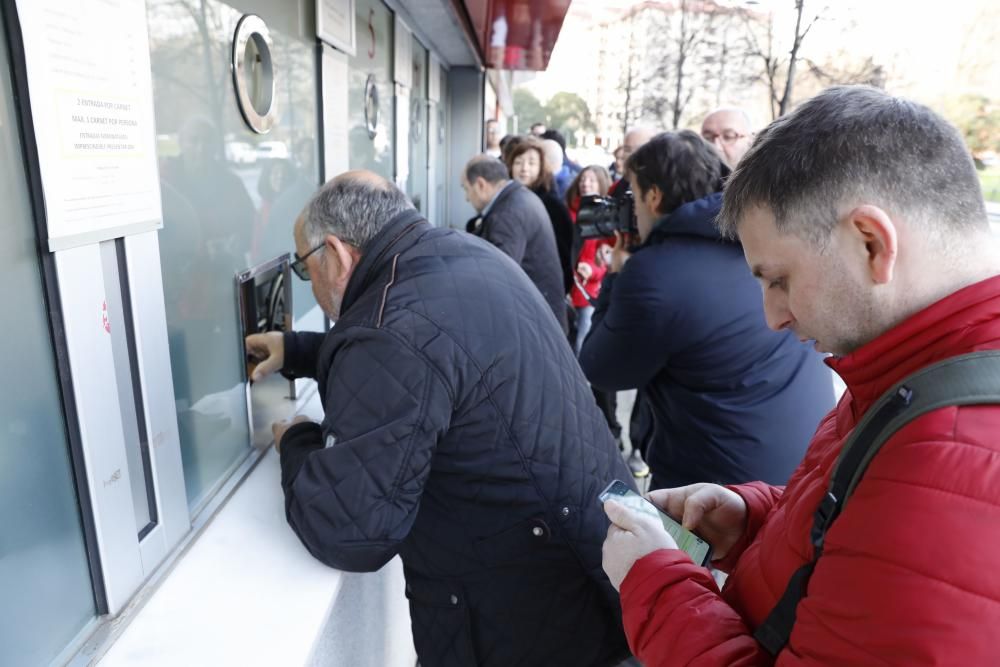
299	263
727	136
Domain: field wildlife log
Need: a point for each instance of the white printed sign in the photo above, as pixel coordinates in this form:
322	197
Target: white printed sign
335	24
91	98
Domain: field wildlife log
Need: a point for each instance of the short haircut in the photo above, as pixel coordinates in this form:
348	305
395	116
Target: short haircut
486	167
534	125
516	150
681	164
603	183
556	136
353	209
851	145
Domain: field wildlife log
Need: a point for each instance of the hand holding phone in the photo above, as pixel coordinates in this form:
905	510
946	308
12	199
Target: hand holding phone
712	511
698	549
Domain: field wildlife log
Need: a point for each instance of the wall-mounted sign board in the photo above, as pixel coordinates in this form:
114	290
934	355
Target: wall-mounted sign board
335	24
91	92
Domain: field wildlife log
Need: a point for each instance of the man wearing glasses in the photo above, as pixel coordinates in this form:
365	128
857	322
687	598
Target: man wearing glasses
459	433
728	129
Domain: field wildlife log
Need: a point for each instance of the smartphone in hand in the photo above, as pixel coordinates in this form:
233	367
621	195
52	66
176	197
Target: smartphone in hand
694	546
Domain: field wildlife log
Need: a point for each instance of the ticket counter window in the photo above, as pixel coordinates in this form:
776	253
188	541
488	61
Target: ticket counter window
370	91
230	199
46	596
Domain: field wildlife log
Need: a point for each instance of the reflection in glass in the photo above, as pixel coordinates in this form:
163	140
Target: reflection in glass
441	153
46	596
230	200
416	184
374	58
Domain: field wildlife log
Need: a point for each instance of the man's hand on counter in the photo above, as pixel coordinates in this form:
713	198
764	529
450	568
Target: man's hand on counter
278	428
266	352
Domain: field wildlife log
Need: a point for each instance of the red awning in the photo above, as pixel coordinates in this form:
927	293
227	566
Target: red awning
516	34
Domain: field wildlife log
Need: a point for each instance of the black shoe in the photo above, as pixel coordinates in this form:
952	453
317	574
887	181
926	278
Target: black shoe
636	465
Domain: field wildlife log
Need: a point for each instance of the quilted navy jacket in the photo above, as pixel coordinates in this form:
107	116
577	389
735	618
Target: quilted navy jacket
461	434
732	401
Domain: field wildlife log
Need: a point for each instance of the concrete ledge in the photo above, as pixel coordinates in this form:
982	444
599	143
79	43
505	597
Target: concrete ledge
246	592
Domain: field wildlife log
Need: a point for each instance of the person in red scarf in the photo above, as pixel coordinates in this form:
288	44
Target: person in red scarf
862	217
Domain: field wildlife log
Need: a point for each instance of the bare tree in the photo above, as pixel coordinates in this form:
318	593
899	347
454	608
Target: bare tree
681	57
688	40
777	71
835	72
630	80
690	59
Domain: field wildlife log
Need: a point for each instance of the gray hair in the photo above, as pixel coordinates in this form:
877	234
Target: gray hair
353	209
850	145
486	167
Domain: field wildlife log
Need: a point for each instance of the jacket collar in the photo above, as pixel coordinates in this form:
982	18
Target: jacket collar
695	218
509	189
497	196
965	321
375	254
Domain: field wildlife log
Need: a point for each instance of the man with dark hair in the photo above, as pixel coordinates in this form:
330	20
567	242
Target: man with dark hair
862	218
681	321
459	433
537	130
513	219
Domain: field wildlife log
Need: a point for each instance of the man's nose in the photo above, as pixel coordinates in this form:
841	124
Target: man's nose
776	312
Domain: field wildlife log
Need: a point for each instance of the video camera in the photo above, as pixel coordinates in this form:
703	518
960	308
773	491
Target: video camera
601	217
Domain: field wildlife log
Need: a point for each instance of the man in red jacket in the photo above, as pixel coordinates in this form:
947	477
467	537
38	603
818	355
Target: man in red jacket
862	217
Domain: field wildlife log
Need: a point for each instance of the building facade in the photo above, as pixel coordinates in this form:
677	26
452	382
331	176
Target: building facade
156	156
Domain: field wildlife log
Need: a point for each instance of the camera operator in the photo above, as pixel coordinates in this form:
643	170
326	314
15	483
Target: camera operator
681	320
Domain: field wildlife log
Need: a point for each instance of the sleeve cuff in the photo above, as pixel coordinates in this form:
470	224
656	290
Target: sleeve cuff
298	443
301	351
658	570
749	533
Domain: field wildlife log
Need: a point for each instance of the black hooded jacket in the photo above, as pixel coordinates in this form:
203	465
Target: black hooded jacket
732	401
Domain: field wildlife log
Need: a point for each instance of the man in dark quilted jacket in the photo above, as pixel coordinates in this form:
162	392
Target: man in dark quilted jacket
459	433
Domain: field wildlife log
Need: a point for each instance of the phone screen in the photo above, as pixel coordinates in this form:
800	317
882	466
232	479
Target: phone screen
699	550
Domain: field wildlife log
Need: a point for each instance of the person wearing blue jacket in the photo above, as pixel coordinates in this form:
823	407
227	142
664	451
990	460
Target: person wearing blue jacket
681	320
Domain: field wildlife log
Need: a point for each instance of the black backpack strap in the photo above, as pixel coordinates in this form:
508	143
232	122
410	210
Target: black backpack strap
971	379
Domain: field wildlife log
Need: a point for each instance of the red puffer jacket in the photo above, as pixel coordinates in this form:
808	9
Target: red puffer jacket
908	575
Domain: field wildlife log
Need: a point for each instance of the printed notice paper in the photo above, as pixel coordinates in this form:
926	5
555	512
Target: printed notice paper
92	109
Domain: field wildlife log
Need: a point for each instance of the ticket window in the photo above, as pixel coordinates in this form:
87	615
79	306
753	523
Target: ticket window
265	300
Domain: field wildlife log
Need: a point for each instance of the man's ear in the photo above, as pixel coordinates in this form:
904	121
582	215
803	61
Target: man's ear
654	196
874	230
346	258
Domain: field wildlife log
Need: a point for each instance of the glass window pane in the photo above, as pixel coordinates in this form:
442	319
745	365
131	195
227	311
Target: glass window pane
230	199
441	166
417	180
373	59
46	597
